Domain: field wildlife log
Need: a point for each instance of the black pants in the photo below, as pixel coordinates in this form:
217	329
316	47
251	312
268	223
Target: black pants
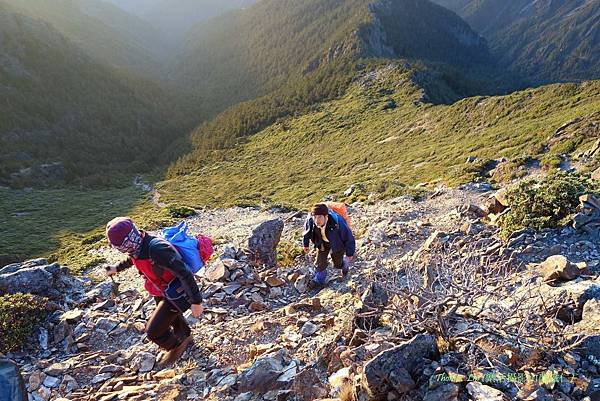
167	327
337	257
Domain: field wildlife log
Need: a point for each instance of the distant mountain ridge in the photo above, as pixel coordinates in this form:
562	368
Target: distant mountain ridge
248	53
63	108
102	30
177	17
545	40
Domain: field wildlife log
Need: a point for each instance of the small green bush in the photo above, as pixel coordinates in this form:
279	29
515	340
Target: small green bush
551	161
394	189
549	203
287	252
180	212
514	169
19	313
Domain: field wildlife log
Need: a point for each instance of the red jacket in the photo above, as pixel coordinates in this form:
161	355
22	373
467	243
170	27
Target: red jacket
159	262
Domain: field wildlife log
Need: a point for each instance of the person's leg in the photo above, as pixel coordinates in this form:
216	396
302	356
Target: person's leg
338	259
181	327
321	273
339	262
322	261
158	327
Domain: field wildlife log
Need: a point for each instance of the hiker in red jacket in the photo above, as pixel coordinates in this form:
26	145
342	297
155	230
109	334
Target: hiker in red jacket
160	263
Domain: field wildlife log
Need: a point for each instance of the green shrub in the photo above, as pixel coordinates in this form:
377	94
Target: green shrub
514	169
549	203
180	212
470	172
19	313
551	161
359	194
287	252
393	189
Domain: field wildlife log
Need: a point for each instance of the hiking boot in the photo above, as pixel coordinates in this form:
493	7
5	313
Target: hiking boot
319	280
315	285
170	357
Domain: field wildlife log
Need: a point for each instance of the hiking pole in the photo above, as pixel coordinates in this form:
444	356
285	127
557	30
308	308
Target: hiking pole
115	286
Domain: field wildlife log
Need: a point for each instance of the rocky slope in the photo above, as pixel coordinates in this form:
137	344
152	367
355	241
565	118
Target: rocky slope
436	307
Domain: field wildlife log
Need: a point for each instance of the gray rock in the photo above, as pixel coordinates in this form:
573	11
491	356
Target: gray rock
43	338
392	370
263	242
51	381
594	388
33	278
558	267
57	369
216	271
111	369
247	396
13	386
445	392
106	324
481	392
308	329
229	252
99	292
567	300
262	376
61	331
72	316
14	267
143	362
43	393
99	378
591	312
69	384
301	284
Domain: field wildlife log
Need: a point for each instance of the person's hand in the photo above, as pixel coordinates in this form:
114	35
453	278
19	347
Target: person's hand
111	270
306	249
197	310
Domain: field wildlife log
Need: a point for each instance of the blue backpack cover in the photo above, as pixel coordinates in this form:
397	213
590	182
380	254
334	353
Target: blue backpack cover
186	244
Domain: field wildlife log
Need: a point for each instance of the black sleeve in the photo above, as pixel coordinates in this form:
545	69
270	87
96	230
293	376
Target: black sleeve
127	263
166	256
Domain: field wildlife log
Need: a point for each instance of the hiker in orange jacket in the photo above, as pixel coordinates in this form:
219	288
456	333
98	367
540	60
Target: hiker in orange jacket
160	263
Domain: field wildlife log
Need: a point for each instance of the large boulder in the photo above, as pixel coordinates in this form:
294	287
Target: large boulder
263	242
216	271
264	373
589	328
587	218
558	267
566	301
12	386
37	277
396	368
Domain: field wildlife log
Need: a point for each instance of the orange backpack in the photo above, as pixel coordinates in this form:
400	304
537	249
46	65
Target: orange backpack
340	208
